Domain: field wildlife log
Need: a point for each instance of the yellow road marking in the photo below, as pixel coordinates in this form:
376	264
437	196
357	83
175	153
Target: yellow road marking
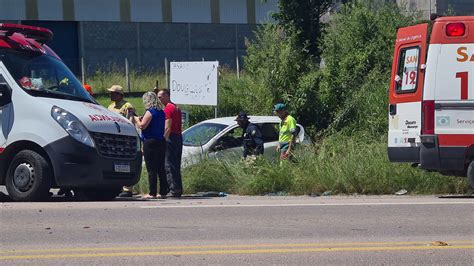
229	252
235	246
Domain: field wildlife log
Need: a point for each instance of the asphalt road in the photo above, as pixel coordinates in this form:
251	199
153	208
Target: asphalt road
236	230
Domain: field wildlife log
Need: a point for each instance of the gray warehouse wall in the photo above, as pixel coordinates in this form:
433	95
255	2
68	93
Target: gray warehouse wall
460	7
146	45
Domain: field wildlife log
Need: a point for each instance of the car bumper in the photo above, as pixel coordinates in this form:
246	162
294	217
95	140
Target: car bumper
443	159
77	165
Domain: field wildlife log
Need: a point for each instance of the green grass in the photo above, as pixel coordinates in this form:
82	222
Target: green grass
138	82
339	164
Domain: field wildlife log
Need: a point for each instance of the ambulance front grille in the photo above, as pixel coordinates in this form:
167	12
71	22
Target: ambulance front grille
115	146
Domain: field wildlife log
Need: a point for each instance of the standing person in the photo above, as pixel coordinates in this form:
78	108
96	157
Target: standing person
124	108
252	137
288	131
152	126
119	105
174	143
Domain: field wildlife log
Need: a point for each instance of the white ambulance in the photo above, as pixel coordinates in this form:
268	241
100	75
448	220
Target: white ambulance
431	102
54	134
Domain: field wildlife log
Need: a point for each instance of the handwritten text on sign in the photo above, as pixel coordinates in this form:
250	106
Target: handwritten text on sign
194	82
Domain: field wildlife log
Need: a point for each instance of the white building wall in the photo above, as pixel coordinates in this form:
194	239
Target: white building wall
97	10
50	9
233	11
146	11
12	10
192	11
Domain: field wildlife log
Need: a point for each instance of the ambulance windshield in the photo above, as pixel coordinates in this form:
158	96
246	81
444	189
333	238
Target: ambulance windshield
44	76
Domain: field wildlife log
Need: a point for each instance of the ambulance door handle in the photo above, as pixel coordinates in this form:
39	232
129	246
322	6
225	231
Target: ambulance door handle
393	109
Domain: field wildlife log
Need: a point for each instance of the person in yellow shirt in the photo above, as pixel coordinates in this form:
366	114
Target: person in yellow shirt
124	108
118	104
288	131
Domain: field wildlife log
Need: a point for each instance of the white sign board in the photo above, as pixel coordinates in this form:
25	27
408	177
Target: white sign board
194	82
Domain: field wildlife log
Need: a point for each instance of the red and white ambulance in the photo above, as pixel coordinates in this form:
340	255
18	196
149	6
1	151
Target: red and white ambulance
53	133
431	102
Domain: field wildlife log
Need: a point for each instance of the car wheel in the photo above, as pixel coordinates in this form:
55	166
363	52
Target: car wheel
470	173
28	177
97	194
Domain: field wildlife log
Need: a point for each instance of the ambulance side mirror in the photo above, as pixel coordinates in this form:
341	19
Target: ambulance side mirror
5	94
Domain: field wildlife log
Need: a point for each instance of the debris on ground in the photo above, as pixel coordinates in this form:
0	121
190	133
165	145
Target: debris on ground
439	243
279	193
211	194
327	193
401	192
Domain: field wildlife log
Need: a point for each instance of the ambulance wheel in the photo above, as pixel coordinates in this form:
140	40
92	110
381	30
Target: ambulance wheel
97	194
470	174
28	177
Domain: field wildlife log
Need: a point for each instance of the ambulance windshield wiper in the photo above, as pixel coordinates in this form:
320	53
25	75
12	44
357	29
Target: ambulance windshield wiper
52	94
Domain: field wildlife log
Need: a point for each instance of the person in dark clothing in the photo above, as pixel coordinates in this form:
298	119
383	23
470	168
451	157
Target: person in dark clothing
152	125
252	137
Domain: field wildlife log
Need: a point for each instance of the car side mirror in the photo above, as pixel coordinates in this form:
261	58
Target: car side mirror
5	94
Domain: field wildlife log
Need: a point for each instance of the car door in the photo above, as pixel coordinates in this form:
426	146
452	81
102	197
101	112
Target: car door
406	94
6	109
270	139
229	145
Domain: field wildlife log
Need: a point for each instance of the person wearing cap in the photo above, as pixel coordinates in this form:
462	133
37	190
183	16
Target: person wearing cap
118	104
288	131
124	108
252	137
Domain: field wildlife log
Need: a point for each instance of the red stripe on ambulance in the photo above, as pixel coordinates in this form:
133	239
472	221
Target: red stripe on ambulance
459	140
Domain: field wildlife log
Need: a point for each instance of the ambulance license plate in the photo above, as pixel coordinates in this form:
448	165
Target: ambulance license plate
122	167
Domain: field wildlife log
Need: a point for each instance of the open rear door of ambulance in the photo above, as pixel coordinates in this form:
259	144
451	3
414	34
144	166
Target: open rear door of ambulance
406	93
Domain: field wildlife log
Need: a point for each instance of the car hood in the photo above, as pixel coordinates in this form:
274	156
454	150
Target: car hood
96	118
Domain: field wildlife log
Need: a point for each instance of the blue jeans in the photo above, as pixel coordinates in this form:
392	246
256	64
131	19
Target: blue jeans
174	151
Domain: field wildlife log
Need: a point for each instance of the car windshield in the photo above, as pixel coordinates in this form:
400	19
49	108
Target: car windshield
200	134
43	75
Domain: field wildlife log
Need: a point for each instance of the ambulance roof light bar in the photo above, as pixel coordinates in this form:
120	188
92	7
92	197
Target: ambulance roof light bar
39	34
457	29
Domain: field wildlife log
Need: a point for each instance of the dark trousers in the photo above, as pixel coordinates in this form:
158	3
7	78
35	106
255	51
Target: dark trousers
155	152
174	151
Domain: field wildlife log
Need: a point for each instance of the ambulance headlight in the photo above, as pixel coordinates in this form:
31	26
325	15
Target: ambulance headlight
72	125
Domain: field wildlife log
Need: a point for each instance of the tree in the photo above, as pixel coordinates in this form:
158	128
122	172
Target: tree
357	50
304	16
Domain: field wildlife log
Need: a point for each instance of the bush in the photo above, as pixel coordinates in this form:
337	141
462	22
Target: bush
357	50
